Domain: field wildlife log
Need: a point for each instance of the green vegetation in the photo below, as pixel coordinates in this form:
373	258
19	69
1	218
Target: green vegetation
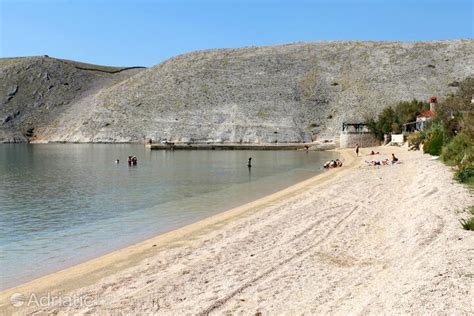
434	138
391	119
456	117
450	134
415	140
468	224
459	150
465	174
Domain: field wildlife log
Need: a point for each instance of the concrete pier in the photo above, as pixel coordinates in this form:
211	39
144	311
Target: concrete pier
230	146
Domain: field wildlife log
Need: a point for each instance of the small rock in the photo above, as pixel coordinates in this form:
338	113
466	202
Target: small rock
13	90
7	119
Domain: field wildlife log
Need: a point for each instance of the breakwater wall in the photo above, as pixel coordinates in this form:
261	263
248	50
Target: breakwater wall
349	140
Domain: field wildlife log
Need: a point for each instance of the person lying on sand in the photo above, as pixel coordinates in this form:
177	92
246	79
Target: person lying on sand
373	153
332	164
384	162
328	164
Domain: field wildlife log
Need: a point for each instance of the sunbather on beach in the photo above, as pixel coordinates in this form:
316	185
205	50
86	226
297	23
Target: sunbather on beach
394	159
332	164
384	162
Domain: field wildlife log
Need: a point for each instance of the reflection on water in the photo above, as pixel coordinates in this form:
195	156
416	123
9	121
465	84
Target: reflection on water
62	204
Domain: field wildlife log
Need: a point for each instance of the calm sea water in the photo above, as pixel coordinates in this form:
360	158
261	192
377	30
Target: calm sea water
63	204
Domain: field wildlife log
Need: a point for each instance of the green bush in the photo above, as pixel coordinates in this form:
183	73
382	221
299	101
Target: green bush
434	140
460	150
406	111
415	140
465	174
391	119
386	122
468	224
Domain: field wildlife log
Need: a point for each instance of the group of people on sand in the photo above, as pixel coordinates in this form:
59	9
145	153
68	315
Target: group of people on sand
378	162
383	162
332	164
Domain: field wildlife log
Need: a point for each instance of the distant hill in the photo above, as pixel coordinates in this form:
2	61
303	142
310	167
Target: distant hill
288	93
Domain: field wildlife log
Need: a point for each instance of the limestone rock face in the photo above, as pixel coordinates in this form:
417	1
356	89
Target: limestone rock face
290	93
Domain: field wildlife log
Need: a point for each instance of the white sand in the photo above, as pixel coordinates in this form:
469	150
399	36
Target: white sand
366	240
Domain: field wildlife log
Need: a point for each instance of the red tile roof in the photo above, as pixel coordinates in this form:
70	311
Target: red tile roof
426	114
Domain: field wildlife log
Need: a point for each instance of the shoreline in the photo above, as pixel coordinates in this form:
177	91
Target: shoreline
358	240
312	146
110	263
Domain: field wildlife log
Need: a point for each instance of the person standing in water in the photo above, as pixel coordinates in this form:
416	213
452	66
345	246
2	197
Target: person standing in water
249	164
357	150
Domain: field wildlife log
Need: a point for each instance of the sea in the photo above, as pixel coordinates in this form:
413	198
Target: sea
62	204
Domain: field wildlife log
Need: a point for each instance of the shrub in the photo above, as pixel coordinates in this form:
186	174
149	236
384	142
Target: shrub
407	111
468	224
456	112
460	150
434	140
391	119
415	140
465	174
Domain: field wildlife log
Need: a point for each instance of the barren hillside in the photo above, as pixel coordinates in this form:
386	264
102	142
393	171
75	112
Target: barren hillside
36	91
289	93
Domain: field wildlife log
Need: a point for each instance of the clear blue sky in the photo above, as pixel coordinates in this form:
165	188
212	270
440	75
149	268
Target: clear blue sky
145	32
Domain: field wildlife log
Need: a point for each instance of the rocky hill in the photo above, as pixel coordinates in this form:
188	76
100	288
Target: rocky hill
35	92
289	93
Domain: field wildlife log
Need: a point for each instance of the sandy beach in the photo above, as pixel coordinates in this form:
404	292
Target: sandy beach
355	240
